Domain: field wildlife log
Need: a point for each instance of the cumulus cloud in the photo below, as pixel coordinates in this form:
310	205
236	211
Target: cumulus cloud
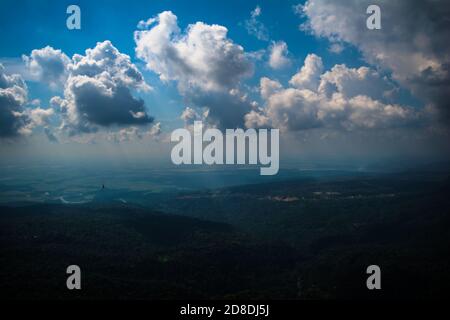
40	116
255	27
278	55
352	82
257	119
412	44
134	133
17	115
268	87
155	130
98	91
309	75
37	117
206	65
48	65
203	57
13	97
341	98
189	115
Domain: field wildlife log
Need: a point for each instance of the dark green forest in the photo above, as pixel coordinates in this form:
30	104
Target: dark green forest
306	238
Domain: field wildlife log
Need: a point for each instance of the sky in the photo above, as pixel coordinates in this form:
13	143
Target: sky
136	70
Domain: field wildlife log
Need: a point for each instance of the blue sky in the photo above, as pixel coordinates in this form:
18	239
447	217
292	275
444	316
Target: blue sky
386	90
41	23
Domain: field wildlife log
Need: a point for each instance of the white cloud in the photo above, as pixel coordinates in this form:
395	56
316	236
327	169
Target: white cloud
256	12
341	99
203	57
37	117
155	130
268	87
257	119
133	133
207	66
189	115
13	97
352	82
255	27
40	116
309	75
125	134
48	65
98	91
279	55
18	116
412	44
336	48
